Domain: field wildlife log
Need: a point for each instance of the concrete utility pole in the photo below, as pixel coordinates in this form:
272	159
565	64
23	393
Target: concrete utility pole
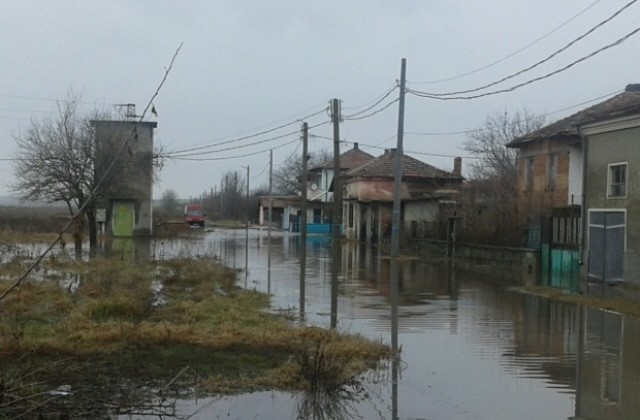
303	204
270	215
336	116
269	218
247	215
397	181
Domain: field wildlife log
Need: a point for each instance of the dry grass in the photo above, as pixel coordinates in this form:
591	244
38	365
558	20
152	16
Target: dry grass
152	320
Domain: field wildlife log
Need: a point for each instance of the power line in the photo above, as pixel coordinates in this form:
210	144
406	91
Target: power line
510	55
475	130
193	149
235	156
378	101
290	156
262	171
420	153
531	67
241	146
528	82
362	117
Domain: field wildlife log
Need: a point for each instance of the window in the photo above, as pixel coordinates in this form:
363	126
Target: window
528	174
552	170
617	183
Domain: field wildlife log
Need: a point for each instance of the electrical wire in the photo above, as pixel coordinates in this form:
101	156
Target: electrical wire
459	76
235	156
249	136
378	101
362	117
241	146
290	155
476	130
528	82
552	55
419	153
262	171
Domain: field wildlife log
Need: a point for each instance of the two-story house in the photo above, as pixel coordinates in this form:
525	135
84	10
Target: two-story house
581	167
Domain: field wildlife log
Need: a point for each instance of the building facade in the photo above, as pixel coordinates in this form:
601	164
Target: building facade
124	162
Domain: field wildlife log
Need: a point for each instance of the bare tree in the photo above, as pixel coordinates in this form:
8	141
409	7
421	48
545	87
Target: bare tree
287	179
60	161
55	161
490	202
169	201
488	143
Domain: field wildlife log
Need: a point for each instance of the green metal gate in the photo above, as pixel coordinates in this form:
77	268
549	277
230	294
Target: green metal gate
560	249
123	218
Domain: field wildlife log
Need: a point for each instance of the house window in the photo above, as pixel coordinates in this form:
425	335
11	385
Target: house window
617	180
552	170
528	174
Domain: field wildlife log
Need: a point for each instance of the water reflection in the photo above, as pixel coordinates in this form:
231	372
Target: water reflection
468	348
609	363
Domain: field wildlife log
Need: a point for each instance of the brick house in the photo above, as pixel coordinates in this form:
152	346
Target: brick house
565	174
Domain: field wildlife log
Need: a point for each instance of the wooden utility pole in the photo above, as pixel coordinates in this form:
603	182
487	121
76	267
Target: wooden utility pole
303	204
337	181
397	181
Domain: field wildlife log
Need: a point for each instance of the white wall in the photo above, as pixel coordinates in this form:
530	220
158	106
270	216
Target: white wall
575	175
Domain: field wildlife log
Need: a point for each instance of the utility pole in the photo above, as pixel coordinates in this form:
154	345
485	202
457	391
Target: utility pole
270	214
303	204
247	199
397	182
269	218
395	237
221	199
337	181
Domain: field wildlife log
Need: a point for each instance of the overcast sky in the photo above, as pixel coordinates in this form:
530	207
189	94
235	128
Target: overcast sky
248	66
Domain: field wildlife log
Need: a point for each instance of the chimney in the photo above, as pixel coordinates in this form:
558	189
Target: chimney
634	87
355	145
391	152
457	166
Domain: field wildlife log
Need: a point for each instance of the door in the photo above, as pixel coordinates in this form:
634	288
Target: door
123	218
606	245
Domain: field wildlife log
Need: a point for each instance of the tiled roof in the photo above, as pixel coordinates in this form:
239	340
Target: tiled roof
383	166
350	159
623	104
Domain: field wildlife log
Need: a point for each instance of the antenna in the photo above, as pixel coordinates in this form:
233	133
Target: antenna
126	111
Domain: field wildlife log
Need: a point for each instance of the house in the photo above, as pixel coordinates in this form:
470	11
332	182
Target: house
321	176
285	212
612	189
124	158
579	166
368	197
286	209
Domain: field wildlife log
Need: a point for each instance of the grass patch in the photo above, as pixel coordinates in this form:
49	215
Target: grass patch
616	304
140	325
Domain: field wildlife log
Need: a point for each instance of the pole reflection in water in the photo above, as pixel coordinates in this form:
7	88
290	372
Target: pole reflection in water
336	264
395	353
303	273
269	263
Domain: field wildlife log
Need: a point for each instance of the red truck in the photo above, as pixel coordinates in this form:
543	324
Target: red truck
194	215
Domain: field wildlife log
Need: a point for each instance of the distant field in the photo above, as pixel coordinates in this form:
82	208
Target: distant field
33	219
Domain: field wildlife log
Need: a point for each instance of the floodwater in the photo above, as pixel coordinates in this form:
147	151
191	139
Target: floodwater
469	347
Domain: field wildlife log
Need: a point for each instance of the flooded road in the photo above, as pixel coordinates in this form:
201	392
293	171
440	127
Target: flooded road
469	349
